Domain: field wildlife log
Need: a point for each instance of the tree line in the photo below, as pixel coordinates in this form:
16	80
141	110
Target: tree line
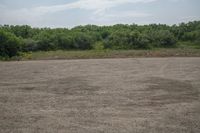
16	39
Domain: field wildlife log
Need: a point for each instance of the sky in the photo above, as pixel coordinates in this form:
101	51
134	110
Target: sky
70	13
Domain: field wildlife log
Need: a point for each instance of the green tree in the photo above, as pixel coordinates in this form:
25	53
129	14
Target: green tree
29	45
162	38
65	42
82	41
10	45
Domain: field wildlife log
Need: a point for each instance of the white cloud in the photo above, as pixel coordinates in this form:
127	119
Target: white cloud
120	15
98	8
189	18
116	17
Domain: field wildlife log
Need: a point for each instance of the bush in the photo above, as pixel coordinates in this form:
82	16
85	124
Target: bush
191	36
98	46
119	40
83	41
142	43
162	38
126	40
29	45
46	41
64	42
10	45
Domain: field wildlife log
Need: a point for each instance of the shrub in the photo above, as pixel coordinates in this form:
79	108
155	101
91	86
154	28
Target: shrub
142	42
29	45
162	38
83	41
119	40
98	46
10	45
65	42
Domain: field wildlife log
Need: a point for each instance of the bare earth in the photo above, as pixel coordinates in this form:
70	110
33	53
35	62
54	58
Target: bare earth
139	95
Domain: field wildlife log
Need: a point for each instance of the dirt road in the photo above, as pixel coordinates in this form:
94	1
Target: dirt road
141	95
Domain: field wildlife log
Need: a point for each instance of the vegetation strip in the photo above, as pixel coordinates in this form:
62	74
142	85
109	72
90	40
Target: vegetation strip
90	41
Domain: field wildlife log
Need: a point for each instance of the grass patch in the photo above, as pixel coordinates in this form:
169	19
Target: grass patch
98	54
189	44
95	54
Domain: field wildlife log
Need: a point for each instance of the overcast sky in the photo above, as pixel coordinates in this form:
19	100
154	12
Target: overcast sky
70	13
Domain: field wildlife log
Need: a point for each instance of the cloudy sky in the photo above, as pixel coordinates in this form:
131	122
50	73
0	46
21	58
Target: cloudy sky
70	13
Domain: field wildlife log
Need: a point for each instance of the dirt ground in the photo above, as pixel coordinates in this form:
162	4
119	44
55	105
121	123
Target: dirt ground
138	95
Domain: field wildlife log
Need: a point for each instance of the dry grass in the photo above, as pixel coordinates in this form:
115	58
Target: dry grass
92	54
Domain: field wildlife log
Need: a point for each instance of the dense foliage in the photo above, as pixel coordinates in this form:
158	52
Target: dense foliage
15	39
9	44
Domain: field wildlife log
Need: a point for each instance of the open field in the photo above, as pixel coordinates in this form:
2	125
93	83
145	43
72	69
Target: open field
136	95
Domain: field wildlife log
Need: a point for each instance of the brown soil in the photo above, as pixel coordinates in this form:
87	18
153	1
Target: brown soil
145	95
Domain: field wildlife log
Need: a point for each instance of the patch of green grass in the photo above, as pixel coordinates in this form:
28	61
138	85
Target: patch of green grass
95	54
189	45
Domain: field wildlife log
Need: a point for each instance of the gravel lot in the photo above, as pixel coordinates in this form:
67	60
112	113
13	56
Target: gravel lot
135	95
